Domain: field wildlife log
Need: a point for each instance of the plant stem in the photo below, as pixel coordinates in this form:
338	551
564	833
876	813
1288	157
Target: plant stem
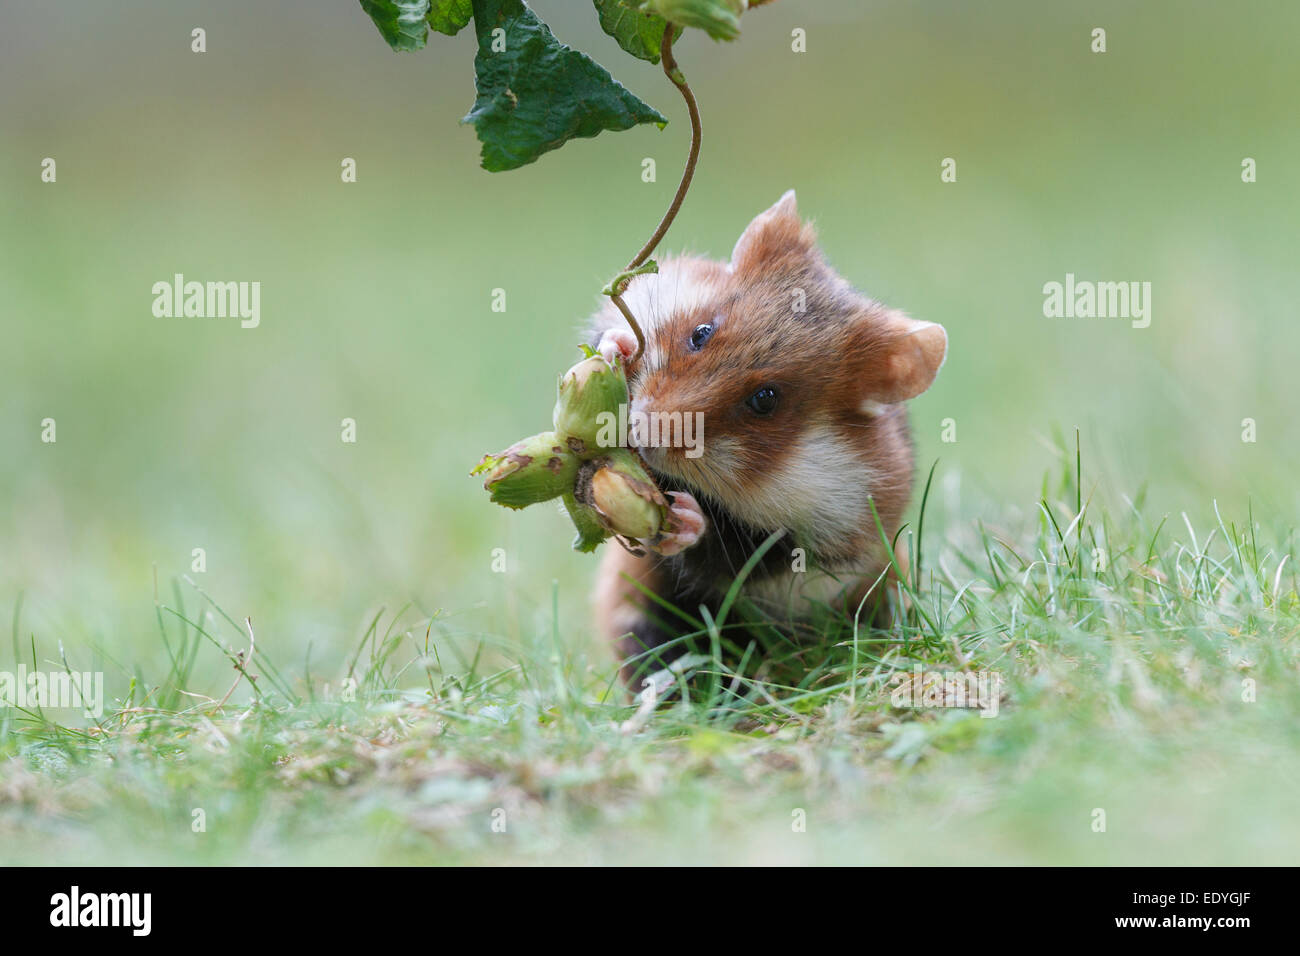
674	74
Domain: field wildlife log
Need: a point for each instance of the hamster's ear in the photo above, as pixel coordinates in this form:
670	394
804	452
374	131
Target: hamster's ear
775	234
897	357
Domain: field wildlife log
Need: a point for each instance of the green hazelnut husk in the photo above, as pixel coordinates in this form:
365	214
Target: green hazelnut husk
529	471
588	399
584	462
624	496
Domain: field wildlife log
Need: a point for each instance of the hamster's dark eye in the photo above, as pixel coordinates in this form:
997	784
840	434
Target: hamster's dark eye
701	335
764	400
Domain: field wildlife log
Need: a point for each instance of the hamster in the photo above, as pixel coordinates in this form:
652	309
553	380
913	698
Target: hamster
797	380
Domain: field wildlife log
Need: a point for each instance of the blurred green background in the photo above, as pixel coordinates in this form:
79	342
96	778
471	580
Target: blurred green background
175	434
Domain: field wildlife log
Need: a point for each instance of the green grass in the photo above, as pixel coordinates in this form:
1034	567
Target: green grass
1124	644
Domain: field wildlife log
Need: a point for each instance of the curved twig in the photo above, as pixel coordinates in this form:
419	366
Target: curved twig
674	74
616	288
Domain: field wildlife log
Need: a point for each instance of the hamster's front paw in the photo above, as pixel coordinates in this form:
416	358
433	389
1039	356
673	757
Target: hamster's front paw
686	525
617	342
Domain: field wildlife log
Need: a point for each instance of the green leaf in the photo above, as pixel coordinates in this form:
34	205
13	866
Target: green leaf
719	18
639	33
402	23
449	16
535	94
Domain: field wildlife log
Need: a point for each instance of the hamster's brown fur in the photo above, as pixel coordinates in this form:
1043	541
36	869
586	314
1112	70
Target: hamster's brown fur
837	440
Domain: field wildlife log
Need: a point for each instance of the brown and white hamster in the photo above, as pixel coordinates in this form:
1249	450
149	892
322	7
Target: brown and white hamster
799	379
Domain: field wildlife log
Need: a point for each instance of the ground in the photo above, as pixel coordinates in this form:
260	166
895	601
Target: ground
1147	714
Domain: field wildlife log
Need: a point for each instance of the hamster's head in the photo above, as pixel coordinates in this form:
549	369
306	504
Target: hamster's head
772	387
